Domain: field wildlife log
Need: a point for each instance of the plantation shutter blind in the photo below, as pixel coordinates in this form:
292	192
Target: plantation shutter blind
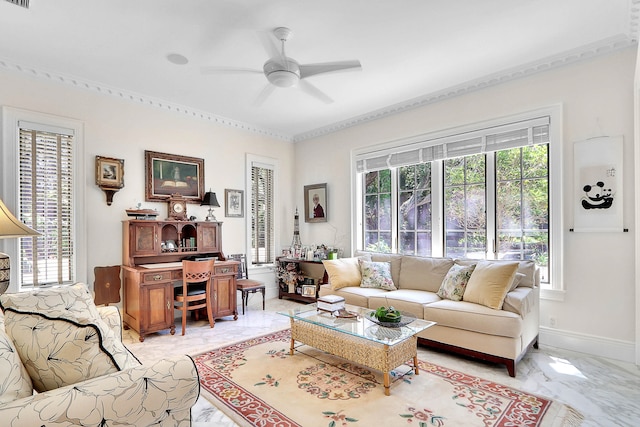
422	150
262	221
46	204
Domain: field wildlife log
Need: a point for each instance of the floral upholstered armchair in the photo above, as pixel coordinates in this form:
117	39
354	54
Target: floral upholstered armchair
62	363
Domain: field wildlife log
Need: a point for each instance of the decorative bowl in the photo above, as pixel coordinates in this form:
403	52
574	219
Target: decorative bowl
404	320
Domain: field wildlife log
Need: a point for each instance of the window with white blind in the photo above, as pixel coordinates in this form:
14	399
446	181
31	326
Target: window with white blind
46	205
45	185
262	212
479	192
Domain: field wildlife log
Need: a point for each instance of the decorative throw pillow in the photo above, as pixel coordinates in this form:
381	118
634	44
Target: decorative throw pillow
455	282
62	329
15	382
57	352
516	281
376	275
489	283
342	272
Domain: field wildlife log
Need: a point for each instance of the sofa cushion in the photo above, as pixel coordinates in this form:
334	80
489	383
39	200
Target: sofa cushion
405	300
353	295
474	317
342	272
15	382
455	282
424	274
489	283
57	331
376	275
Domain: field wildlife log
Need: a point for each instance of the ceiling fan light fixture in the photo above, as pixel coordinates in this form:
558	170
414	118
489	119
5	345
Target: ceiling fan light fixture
283	78
282	75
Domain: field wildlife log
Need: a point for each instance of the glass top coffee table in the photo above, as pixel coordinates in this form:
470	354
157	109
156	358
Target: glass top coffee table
357	339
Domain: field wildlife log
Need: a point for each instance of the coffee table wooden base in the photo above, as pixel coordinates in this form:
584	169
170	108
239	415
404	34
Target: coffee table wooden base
375	355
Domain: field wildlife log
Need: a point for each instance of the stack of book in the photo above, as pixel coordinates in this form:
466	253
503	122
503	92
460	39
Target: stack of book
330	303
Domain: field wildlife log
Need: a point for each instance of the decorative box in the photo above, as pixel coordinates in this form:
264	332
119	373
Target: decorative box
330	303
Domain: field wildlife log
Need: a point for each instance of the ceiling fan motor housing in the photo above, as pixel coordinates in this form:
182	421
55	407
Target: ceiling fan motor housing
282	75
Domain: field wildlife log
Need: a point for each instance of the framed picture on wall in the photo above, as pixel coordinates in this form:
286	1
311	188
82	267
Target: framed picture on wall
315	203
109	172
167	174
234	203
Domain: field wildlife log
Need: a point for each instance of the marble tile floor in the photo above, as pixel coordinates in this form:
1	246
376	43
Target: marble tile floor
605	391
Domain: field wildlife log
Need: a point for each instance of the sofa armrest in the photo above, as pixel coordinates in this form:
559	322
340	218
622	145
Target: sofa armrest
522	301
111	316
160	394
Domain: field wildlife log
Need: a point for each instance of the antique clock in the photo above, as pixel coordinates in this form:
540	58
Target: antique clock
177	207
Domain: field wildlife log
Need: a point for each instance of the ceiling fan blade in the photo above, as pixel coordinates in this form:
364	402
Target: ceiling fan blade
229	70
310	89
307	70
263	95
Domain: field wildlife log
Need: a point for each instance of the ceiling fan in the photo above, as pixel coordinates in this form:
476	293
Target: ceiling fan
282	71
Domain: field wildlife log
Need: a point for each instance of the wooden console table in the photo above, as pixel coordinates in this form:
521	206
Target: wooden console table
313	269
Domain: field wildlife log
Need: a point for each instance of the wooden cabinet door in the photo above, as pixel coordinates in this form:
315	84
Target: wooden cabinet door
144	239
157	306
224	296
209	237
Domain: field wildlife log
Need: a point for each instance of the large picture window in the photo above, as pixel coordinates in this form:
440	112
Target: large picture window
482	194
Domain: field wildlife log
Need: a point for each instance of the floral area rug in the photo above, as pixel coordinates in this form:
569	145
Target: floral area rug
257	383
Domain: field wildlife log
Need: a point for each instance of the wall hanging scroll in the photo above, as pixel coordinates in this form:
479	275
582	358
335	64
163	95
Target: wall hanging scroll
598	185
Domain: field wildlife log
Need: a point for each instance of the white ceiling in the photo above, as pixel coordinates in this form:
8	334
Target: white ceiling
412	51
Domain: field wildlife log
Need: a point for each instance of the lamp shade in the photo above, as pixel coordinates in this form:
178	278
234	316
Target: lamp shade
10	226
210	199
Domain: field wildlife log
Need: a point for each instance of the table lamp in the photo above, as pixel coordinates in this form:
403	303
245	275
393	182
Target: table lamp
210	200
10	227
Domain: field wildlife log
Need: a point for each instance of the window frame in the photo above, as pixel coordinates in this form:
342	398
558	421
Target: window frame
273	164
10	182
555	289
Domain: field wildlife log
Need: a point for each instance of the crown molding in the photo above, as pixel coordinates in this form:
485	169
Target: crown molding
585	52
137	98
600	48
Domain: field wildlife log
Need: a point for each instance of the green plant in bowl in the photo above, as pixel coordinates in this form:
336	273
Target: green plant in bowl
388	314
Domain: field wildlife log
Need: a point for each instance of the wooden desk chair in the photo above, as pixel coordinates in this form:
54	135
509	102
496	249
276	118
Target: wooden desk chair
195	292
244	284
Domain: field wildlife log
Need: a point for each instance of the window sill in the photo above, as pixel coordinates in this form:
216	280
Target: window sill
552	294
263	268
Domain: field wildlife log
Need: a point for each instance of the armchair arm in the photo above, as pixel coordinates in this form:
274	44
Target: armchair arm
111	316
160	394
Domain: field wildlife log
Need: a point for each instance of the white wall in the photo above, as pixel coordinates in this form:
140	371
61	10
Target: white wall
598	312
124	129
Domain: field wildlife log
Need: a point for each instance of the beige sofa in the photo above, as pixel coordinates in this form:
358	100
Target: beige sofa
500	334
62	363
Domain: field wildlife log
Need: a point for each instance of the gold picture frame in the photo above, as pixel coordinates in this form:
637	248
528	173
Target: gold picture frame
109	172
168	174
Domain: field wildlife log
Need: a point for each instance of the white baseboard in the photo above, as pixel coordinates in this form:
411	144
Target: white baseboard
590	344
